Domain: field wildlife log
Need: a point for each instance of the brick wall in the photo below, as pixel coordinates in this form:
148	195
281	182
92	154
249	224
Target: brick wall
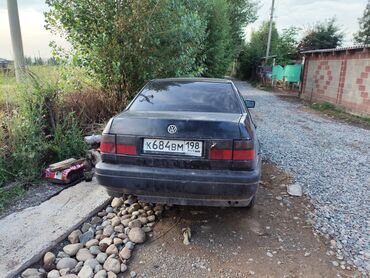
341	78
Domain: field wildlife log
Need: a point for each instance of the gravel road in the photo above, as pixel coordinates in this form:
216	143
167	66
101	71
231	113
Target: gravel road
331	160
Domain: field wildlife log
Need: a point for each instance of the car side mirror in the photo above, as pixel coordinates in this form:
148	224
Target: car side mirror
250	103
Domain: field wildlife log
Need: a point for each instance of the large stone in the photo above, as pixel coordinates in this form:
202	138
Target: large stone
74	236
143	220
125	253
91	263
117	202
86	272
95	250
49	258
61	254
85	227
295	190
117	241
134	224
53	274
108	230
112	249
78	267
31	273
111	215
113	265
130	245
84	254
125	222
119	228
101	274
98	268
92	242
123	268
85	237
96	220
111	275
137	235
116	221
72	249
66	263
151	218
101	257
133	207
104	243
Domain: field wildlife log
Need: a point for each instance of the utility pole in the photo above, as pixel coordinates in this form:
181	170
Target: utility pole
270	31
16	36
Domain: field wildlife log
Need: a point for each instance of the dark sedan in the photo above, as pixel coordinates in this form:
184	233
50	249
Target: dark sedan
185	142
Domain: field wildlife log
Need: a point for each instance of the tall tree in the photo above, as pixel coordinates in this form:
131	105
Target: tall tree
287	46
363	35
241	13
218	47
124	43
254	51
323	35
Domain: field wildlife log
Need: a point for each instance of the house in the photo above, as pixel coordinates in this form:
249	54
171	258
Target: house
340	76
4	65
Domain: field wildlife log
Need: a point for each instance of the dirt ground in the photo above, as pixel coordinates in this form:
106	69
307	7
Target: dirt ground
275	239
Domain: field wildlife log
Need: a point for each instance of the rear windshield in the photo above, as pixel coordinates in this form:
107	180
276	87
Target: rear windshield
187	96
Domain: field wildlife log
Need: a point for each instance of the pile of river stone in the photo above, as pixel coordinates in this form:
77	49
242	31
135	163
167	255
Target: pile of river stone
103	246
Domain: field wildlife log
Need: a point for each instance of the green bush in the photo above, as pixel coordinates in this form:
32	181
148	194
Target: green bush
123	44
36	133
67	141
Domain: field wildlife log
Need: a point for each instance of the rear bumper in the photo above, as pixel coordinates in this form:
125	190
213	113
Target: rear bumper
180	186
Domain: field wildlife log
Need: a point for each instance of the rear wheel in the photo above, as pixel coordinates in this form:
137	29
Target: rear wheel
252	203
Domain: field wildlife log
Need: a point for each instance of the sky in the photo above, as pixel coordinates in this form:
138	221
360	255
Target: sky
301	13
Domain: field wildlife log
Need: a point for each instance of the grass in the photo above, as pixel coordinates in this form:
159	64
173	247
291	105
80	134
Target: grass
24	149
338	113
9	194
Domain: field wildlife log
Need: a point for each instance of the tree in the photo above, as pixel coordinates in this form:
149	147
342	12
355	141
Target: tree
226	22
363	35
218	44
254	51
124	43
323	35
241	13
287	45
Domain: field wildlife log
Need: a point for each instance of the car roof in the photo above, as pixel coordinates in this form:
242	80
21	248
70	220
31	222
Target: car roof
193	79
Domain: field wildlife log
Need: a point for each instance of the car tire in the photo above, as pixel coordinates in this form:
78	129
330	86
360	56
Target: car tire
252	203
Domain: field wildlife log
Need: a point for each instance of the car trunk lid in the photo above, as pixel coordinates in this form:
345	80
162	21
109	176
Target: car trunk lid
190	125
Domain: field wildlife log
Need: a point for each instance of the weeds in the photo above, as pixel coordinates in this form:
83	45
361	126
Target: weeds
7	195
332	110
37	133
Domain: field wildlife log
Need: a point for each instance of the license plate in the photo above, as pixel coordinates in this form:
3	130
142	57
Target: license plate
178	147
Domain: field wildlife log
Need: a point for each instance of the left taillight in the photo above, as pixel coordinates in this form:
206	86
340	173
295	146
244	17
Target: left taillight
112	144
108	144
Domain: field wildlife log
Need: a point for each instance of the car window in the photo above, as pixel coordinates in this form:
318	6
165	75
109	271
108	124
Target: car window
187	96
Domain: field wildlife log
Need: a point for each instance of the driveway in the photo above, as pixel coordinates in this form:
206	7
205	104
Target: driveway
329	159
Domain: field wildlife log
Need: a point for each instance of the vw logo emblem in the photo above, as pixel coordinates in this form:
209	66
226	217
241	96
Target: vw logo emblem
172	129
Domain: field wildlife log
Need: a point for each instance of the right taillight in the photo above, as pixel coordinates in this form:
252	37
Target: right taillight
243	150
108	144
